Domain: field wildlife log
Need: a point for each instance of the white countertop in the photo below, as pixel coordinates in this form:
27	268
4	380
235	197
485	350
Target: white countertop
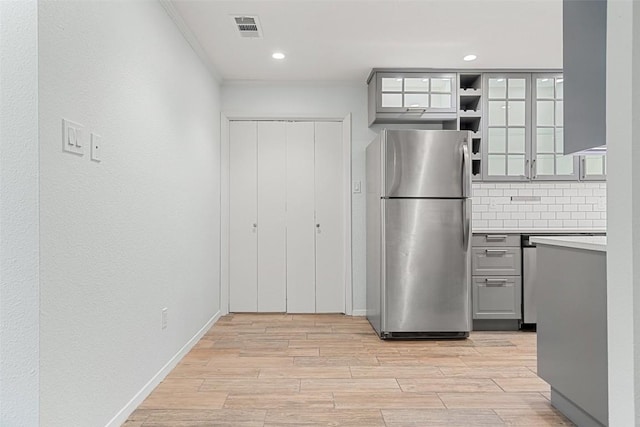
536	230
590	243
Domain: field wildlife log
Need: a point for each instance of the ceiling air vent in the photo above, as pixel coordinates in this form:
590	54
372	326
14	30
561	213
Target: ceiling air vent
248	26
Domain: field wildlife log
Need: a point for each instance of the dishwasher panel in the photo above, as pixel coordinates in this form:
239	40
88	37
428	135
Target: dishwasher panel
529	274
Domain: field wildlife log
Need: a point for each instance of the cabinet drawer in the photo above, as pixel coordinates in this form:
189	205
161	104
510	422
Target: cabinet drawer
497	297
495	240
495	261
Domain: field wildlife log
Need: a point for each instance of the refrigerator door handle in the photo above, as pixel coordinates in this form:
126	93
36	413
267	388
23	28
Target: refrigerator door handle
466	223
466	180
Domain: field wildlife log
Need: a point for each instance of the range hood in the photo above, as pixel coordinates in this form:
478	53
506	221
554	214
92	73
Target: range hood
594	151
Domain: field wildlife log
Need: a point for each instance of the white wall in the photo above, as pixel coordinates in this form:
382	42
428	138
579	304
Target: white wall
18	213
287	99
623	229
137	232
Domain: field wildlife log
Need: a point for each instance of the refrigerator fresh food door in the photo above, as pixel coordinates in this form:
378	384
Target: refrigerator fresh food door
426	252
426	163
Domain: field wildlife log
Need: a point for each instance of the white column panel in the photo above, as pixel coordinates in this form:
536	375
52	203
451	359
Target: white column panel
243	249
329	201
272	266
300	218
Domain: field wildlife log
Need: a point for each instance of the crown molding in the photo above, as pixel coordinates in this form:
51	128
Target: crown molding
190	37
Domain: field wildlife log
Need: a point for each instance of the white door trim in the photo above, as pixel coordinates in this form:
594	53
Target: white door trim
225	118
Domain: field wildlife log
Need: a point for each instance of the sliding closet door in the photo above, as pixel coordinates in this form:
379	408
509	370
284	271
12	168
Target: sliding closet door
329	202
300	218
272	267
243	248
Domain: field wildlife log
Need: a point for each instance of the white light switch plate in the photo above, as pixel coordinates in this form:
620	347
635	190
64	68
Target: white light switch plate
357	187
96	147
72	137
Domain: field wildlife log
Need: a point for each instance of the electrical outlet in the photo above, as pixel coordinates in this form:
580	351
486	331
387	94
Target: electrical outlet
164	317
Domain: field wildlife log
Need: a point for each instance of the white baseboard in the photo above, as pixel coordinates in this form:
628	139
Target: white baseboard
360	312
124	413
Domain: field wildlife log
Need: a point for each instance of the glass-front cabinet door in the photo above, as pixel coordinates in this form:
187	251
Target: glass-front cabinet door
419	92
593	167
507	117
549	162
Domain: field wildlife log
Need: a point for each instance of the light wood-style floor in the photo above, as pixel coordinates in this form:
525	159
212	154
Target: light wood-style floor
321	370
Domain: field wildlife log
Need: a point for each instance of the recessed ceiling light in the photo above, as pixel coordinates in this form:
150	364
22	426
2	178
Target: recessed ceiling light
470	58
278	55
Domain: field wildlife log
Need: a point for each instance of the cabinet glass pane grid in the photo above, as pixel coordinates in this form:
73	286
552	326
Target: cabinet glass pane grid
416	92
506	127
549	129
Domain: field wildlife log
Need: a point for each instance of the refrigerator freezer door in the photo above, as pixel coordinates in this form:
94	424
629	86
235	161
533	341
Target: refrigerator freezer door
424	163
426	250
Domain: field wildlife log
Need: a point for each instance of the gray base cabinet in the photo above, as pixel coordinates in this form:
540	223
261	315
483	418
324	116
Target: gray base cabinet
496	297
496	267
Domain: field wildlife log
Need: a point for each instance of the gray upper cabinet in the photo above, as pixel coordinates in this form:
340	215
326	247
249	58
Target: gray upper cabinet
584	61
593	168
507	118
550	162
410	97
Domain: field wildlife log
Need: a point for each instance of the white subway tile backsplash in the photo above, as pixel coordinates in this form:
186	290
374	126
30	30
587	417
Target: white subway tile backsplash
578	215
560	205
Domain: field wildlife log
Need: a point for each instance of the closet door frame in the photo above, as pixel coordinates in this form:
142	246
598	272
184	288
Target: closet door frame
225	120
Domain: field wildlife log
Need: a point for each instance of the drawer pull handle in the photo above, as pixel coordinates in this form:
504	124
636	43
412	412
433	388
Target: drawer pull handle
496	251
494	282
495	238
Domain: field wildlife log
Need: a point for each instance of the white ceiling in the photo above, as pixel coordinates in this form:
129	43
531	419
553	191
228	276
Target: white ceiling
344	39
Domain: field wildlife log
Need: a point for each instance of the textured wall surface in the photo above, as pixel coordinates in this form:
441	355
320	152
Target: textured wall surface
139	231
18	214
579	205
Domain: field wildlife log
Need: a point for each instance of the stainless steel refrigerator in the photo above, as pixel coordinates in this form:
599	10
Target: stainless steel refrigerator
418	234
